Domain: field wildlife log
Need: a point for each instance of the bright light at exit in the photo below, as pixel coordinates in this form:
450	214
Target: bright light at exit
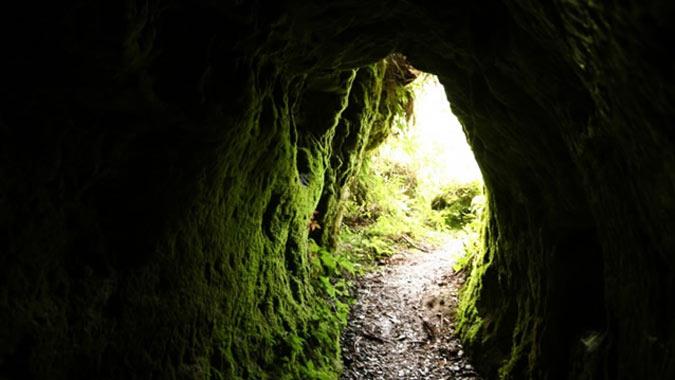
437	147
439	132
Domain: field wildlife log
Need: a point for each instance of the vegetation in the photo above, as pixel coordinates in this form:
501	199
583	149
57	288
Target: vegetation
458	203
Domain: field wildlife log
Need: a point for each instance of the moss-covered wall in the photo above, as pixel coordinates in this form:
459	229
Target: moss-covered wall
160	163
158	176
568	109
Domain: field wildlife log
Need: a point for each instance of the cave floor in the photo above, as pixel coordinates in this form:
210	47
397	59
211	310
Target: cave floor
403	323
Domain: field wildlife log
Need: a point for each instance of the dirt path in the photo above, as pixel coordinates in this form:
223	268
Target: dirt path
402	326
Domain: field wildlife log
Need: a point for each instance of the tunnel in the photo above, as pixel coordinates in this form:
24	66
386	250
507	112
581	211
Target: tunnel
160	161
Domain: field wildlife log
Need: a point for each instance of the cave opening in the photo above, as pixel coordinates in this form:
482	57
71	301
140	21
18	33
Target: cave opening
422	184
416	210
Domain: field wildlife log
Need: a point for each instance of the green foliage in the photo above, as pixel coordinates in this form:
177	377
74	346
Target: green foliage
332	273
390	206
383	208
458	203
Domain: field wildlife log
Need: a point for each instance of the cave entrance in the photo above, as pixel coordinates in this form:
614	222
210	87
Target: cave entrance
421	187
415	210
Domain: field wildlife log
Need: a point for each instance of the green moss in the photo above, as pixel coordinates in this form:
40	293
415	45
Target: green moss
287	317
375	99
470	321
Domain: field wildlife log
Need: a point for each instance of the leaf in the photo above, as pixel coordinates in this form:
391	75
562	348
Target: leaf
328	261
346	265
327	286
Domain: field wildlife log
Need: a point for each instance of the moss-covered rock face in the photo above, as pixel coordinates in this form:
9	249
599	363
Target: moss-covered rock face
161	163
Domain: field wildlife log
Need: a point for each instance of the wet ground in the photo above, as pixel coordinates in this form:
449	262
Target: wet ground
403	324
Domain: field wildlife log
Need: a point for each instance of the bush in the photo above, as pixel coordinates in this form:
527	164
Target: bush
457	203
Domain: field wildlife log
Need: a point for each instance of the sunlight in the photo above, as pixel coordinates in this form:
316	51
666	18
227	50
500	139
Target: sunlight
435	144
441	135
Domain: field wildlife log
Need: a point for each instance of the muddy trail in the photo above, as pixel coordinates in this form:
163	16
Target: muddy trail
403	323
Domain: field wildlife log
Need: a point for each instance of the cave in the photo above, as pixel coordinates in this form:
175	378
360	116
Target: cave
160	162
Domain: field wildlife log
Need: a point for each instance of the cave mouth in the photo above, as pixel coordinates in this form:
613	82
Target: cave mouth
423	220
421	189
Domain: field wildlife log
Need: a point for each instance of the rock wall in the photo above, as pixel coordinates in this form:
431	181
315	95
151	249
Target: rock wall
160	164
158	177
567	108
